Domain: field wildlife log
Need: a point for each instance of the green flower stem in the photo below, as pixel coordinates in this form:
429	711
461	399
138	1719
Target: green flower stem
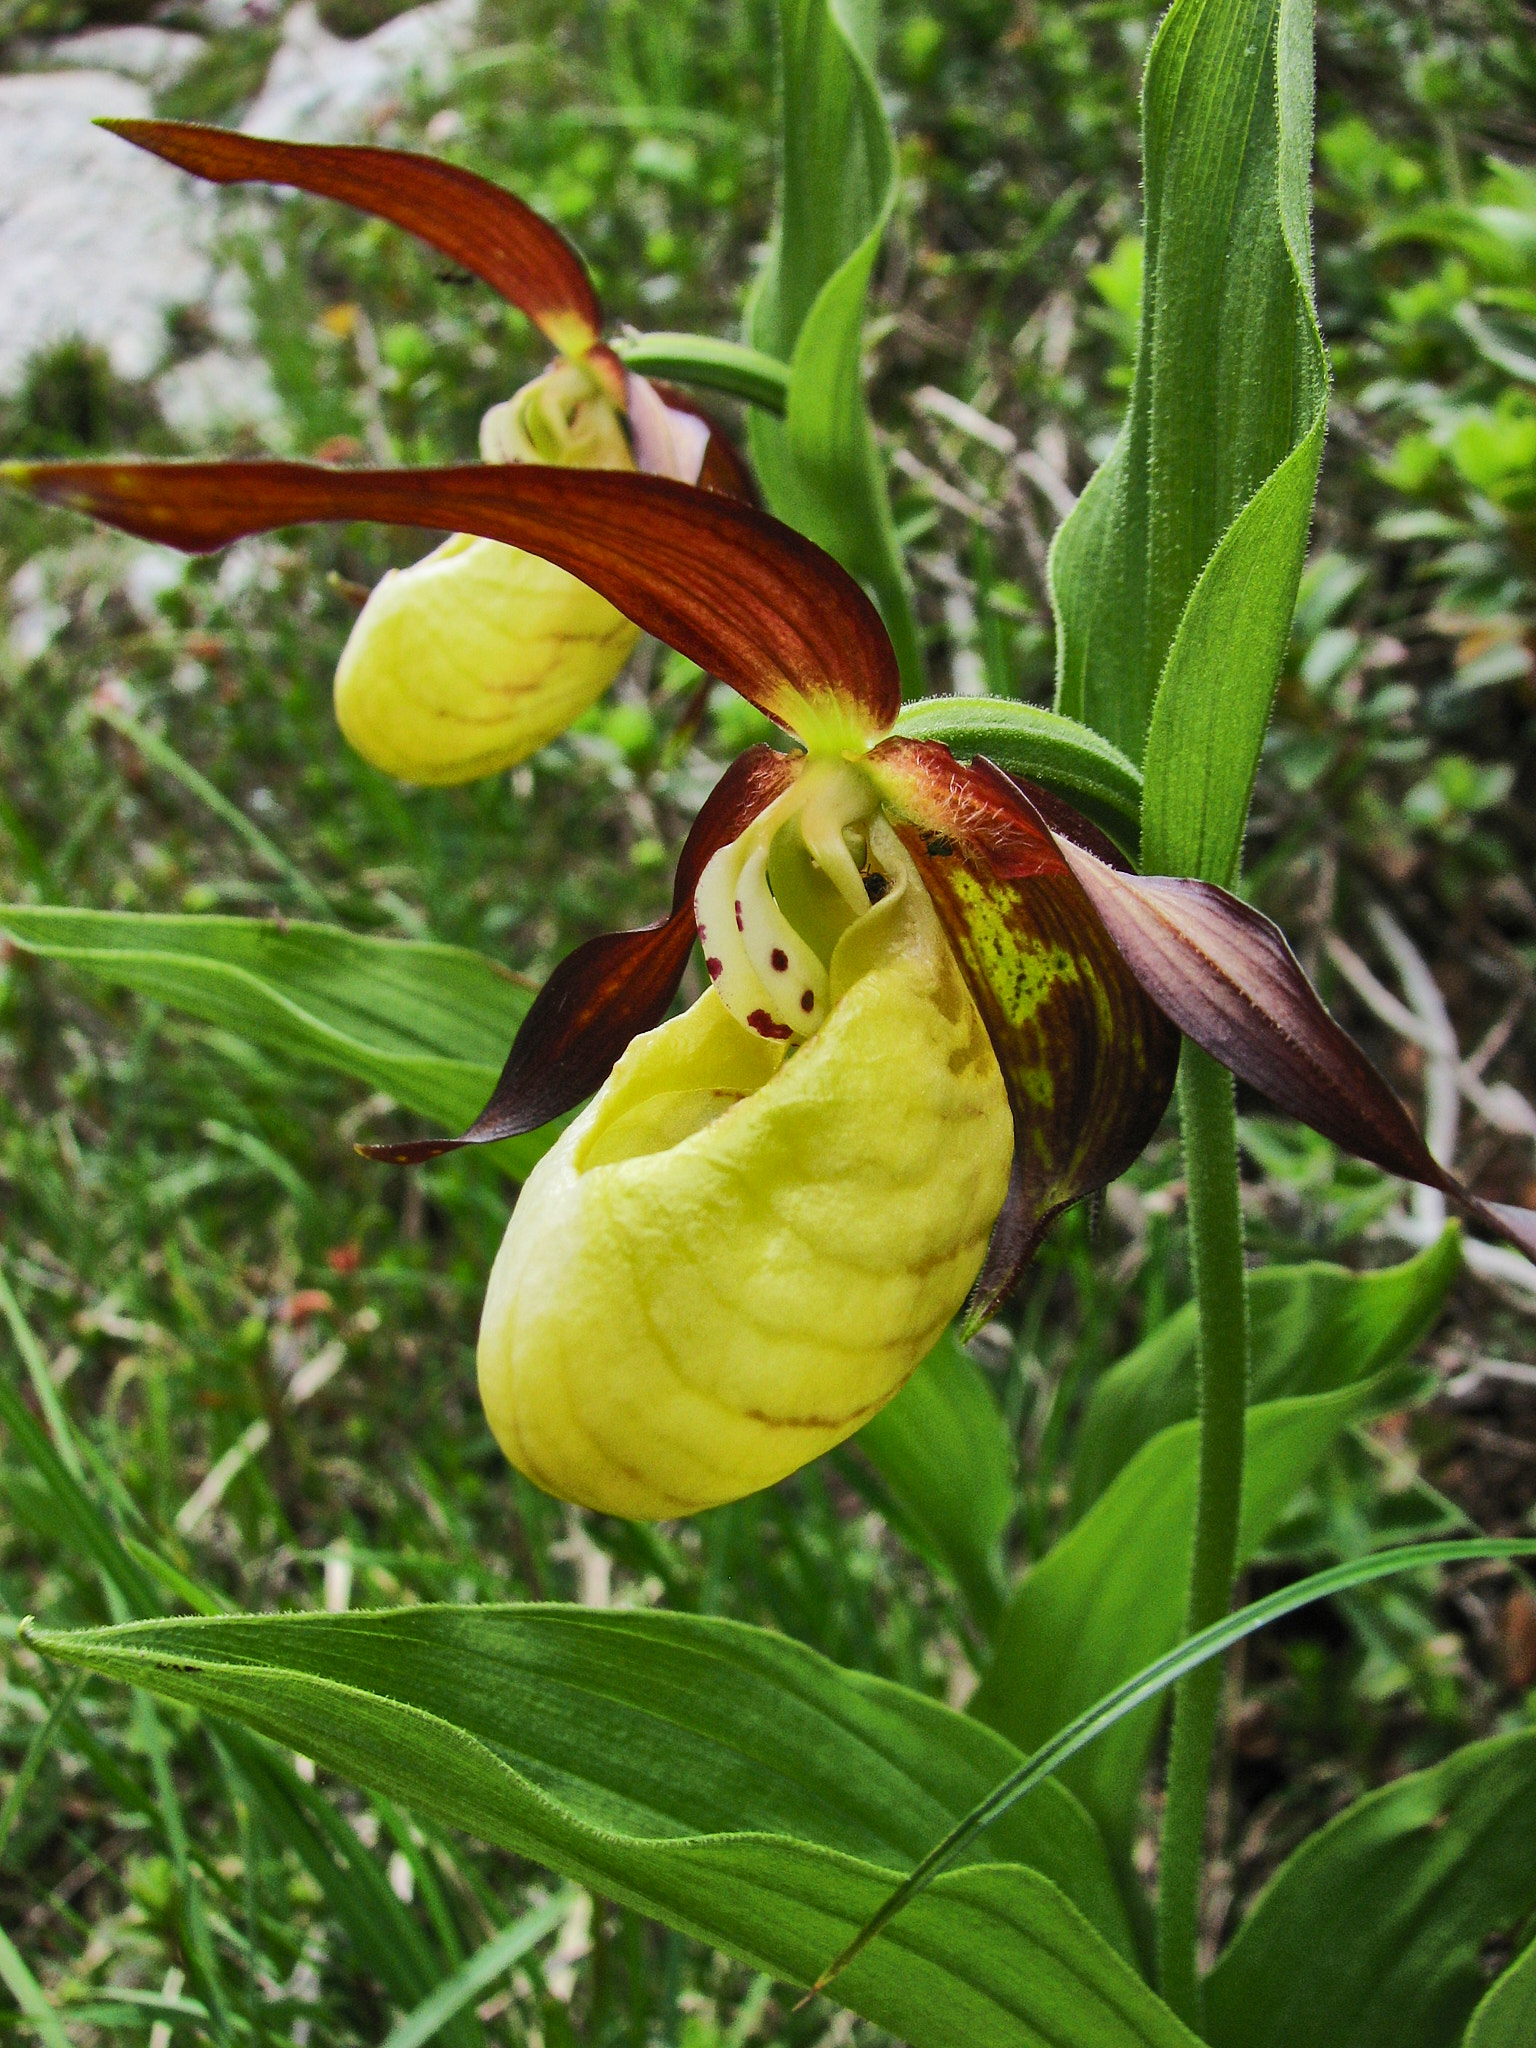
1207	1113
728	366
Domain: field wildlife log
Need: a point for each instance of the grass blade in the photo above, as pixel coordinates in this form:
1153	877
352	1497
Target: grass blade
165	756
28	1994
42	1385
31	1763
481	1969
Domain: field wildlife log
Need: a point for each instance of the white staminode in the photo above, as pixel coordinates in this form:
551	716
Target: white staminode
792	980
768	974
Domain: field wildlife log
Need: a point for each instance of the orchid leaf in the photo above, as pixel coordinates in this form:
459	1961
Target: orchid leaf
1146	1685
1109	1597
746	598
1312	1327
1264	354
1026	740
485	229
612	988
427	1024
723	1779
1224	974
821	469
1088	1061
1370	1935
1175	577
947	1463
1506	2014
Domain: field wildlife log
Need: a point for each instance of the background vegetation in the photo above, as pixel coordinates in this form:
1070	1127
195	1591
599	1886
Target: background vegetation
269	1344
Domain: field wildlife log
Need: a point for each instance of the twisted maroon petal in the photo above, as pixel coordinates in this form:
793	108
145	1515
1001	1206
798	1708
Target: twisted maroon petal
478	225
612	988
1227	978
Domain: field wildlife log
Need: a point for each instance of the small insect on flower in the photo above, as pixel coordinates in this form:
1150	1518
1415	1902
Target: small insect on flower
478	655
941	1008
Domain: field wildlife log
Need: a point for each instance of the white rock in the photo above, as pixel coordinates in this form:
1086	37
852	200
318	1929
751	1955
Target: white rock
322	89
96	239
217	389
152	571
220	15
158	56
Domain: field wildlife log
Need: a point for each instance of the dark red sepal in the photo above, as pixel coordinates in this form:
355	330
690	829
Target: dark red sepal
1088	1061
1227	978
612	988
750	600
483	228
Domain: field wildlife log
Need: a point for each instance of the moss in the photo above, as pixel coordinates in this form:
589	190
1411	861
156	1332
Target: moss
72	403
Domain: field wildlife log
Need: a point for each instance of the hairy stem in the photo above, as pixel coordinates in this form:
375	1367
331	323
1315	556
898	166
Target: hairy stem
1208	1118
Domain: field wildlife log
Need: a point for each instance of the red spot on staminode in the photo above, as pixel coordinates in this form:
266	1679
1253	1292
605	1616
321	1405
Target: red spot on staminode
765	1027
715	969
779	959
808	1002
739	925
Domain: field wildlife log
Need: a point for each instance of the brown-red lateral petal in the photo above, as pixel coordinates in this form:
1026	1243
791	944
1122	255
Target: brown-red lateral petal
483	228
751	601
1226	976
612	988
1089	1062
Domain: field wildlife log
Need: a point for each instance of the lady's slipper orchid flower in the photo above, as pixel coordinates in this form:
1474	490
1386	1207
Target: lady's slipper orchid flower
942	1009
480	654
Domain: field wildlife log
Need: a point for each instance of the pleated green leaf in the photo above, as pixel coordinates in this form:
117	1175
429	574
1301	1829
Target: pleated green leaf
723	1779
1369	1936
1506	2015
820	468
1313	1327
1109	1598
947	1463
1212	1641
1175	577
429	1025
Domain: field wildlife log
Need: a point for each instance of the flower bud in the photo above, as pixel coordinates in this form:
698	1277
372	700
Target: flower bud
738	1253
478	655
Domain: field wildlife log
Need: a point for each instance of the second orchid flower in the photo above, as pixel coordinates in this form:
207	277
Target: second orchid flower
480	654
